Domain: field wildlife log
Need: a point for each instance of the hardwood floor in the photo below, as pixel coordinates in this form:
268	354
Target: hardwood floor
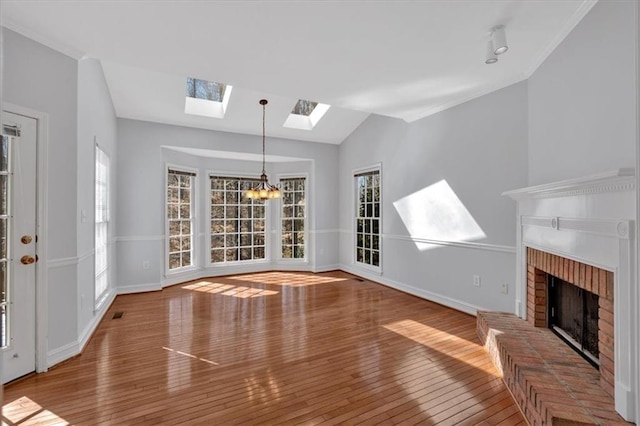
272	348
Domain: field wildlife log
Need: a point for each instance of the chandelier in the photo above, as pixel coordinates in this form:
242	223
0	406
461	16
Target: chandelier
264	190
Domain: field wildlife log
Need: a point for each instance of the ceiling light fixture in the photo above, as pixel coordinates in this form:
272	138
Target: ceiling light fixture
264	190
491	56
499	40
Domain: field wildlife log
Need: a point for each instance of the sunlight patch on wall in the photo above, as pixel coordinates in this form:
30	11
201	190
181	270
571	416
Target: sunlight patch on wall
436	213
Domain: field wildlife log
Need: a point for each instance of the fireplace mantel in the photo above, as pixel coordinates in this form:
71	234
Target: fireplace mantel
590	220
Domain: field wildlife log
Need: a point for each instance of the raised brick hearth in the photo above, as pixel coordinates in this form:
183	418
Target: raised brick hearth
586	277
551	383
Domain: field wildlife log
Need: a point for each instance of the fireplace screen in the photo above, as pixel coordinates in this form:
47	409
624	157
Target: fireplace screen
573	315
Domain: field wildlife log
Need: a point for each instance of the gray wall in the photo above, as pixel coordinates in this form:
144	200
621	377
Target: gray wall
96	124
75	96
42	79
480	150
140	195
582	112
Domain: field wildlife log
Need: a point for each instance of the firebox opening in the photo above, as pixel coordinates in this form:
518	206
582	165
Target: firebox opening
573	316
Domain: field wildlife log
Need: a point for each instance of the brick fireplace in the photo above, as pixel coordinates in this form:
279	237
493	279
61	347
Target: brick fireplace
582	232
586	277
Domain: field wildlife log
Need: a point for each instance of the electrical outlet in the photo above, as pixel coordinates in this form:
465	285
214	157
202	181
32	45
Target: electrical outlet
145	264
504	289
476	280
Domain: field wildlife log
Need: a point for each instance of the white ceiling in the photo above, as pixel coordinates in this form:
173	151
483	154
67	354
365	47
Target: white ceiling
404	59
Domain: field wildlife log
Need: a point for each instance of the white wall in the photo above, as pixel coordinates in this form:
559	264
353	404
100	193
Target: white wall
480	150
140	194
96	124
42	79
582	112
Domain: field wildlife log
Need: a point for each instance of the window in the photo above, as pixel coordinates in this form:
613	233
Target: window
180	218
305	115
293	218
203	89
303	107
368	218
237	222
207	98
101	224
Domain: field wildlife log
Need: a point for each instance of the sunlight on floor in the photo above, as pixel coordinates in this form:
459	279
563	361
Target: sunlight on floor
229	290
262	390
287	279
190	356
24	411
433	339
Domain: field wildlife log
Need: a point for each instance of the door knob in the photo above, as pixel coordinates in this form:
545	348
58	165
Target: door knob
26	239
27	260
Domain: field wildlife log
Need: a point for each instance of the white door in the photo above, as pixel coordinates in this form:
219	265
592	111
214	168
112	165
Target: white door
18	245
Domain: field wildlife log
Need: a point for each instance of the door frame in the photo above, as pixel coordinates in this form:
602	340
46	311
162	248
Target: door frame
41	307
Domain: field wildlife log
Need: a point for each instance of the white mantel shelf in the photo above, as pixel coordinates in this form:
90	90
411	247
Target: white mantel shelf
590	220
611	181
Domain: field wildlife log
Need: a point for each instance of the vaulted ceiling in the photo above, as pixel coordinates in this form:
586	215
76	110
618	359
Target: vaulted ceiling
403	59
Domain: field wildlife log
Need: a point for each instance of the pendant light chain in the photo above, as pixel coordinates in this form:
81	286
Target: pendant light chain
264	190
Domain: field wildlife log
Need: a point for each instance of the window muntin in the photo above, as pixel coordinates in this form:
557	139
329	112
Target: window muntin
294	212
368	218
180	218
238	231
101	223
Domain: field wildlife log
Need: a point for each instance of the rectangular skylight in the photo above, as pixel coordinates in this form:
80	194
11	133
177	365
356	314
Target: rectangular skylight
303	107
206	98
305	115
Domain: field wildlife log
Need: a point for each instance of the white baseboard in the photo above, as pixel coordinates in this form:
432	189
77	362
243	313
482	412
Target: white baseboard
325	268
72	349
139	288
62	353
424	294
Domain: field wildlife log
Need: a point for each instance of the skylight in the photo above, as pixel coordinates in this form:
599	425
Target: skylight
206	98
305	115
303	107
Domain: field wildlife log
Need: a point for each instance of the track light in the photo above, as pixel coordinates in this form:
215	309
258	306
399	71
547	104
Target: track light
491	56
499	40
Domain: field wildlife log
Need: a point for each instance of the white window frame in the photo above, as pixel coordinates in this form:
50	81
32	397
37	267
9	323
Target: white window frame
194	219
354	185
101	249
305	259
267	224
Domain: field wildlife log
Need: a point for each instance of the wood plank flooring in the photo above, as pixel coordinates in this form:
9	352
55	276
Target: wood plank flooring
272	348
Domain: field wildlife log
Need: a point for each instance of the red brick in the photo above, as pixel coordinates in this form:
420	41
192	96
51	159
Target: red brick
588	278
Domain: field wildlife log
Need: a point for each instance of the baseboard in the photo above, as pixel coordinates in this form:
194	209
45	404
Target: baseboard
325	268
139	288
424	294
63	353
88	331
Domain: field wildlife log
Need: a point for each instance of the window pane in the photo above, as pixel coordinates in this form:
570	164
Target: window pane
245	254
174	261
245	240
367	242
231	254
243	217
180	207
217	241
217	226
217	256
258	239
217	212
258	253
